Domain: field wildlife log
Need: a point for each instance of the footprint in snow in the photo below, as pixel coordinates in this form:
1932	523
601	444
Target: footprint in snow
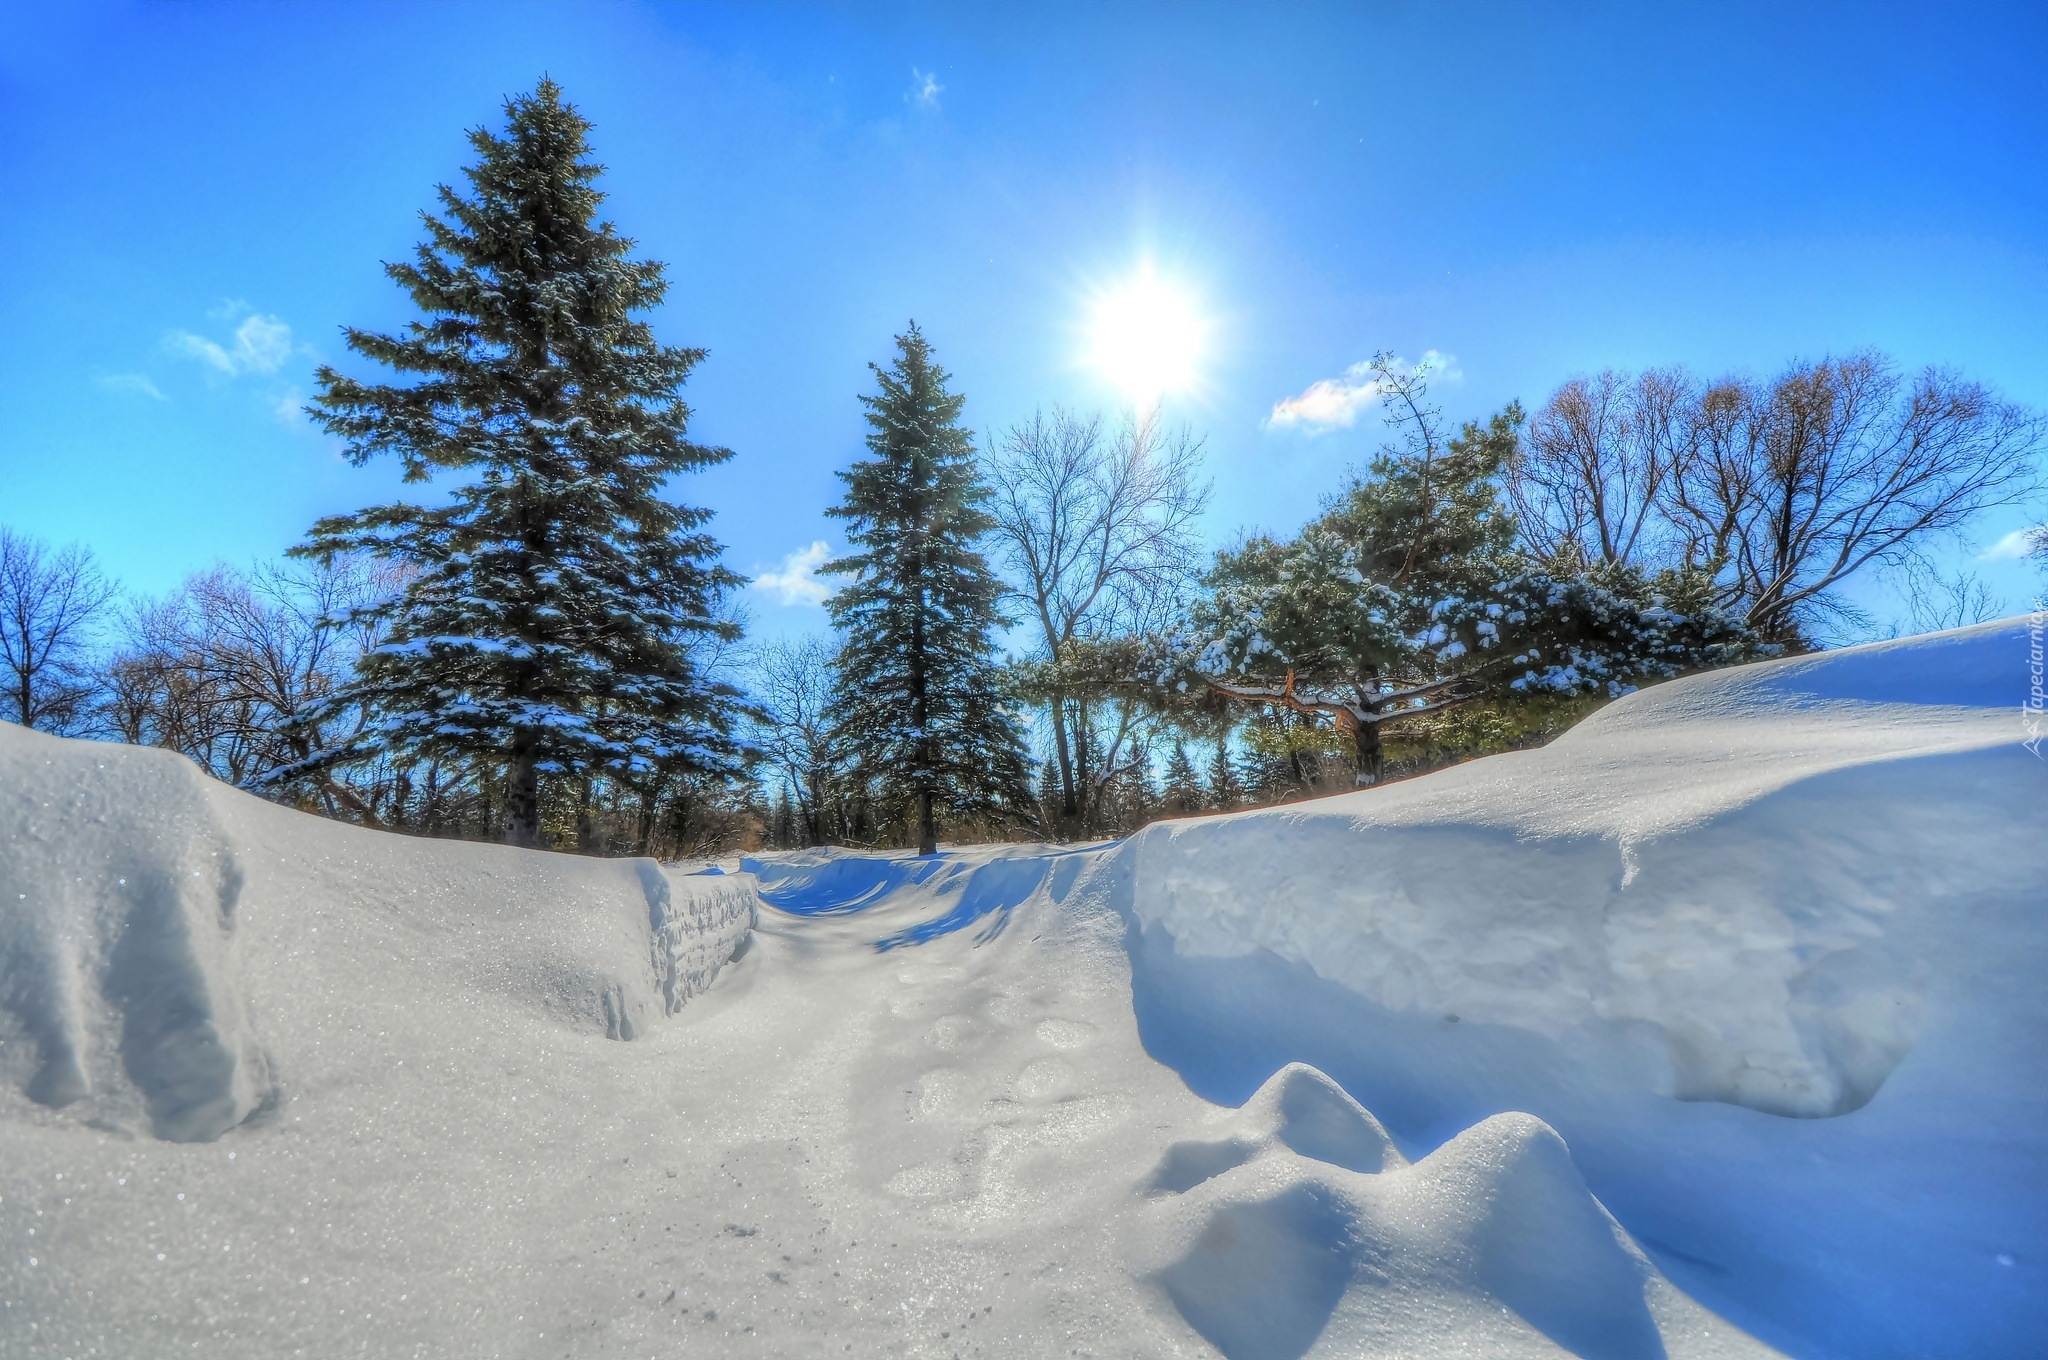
1061	1033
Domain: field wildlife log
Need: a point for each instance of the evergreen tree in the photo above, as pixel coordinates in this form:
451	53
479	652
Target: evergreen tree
558	597
1226	788
1183	786
782	828
918	693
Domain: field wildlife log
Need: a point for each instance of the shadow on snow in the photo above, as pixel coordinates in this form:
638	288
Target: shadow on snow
969	889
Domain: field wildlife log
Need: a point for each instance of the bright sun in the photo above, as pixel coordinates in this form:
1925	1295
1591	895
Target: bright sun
1147	338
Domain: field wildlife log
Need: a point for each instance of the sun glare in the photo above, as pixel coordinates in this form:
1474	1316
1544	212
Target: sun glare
1147	339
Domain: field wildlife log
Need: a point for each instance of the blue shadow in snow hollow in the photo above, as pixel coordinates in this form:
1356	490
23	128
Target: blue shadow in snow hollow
969	890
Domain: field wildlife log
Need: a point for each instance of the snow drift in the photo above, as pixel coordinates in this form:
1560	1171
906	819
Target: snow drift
1763	945
1305	1232
124	961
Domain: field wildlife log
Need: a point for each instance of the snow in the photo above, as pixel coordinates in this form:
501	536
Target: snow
1718	1019
1763	945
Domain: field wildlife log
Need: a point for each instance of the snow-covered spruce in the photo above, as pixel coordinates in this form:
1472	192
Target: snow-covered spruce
557	600
919	709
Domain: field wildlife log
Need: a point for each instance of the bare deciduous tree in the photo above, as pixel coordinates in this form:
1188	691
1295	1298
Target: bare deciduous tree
793	685
218	669
1097	530
51	603
1845	463
1782	489
1599	462
1942	602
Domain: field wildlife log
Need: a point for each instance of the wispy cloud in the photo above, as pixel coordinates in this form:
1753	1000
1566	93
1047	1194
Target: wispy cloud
290	408
260	344
1336	403
796	583
924	90
2015	545
132	383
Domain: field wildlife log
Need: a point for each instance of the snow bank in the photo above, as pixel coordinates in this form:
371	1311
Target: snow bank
132	885
1763	945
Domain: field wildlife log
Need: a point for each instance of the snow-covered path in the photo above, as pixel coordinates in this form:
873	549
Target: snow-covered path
272	1086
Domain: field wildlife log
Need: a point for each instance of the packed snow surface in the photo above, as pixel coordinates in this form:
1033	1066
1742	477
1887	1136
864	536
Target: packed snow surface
1714	1027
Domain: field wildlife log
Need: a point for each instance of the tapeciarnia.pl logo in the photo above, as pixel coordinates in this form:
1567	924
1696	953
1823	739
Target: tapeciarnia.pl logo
2035	708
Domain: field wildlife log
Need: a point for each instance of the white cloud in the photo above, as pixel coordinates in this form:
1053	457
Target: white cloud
924	90
290	408
1328	403
261	345
796	584
131	382
1336	403
2015	545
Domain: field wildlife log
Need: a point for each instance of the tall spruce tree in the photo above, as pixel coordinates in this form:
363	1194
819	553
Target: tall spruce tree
1226	788
1183	790
918	693
558	597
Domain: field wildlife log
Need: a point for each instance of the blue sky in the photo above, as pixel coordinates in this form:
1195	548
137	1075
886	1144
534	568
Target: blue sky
200	196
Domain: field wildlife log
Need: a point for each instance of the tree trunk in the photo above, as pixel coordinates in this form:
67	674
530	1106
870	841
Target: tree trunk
522	800
920	718
1084	775
586	825
643	821
1365	740
1070	806
431	814
814	813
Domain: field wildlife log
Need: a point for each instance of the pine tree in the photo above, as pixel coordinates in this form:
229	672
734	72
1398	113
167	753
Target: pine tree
558	597
918	693
1183	786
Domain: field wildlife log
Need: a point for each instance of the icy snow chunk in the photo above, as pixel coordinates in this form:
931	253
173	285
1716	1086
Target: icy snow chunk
697	923
1313	1116
1265	1275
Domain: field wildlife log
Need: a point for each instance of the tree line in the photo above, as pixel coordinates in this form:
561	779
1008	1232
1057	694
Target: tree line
553	655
